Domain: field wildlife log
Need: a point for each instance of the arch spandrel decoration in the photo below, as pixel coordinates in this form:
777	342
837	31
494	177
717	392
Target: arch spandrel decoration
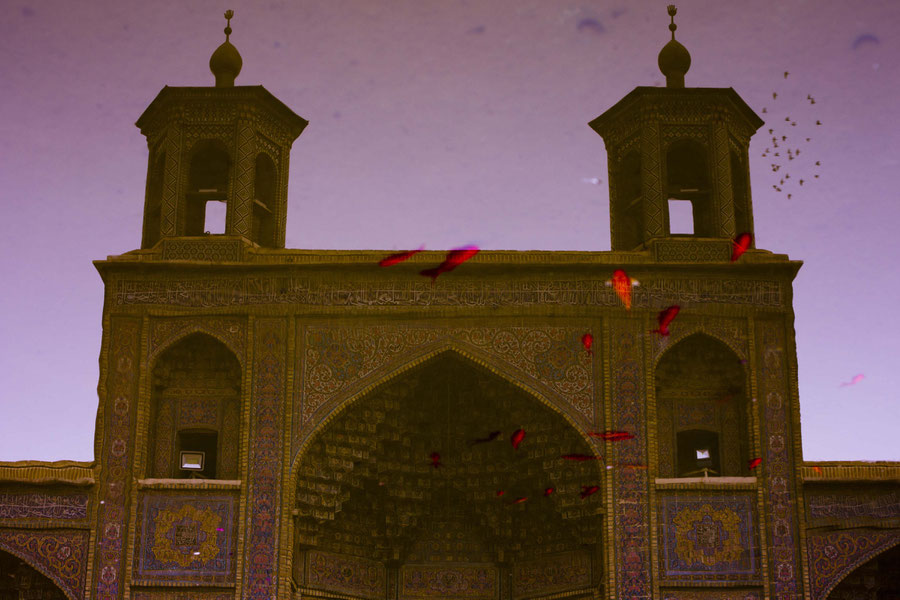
60	555
166	331
835	554
338	363
731	332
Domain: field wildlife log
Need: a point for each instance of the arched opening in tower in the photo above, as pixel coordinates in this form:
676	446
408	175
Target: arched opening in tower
207	182
687	182
628	219
702	410
418	486
195	411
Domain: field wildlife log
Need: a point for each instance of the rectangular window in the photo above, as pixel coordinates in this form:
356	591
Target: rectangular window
681	217
215	217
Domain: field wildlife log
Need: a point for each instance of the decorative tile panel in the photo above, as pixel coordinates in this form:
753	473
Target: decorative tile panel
60	554
42	506
556	573
449	581
350	575
186	538
834	554
707	538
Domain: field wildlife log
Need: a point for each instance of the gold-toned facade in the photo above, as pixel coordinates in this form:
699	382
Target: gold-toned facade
279	423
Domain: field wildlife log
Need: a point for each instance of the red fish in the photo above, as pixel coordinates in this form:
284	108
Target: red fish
755	462
435	460
580	457
634	466
393	259
490	438
520	500
612	436
856	379
740	243
587	491
665	317
587	340
817	469
549	491
454	258
500	493
622	285
516	438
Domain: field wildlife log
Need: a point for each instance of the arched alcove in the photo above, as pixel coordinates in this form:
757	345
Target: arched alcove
208	178
264	184
629	209
195	408
702	410
876	579
687	179
19	580
371	502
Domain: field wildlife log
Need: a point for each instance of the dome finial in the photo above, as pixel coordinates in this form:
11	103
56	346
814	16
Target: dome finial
228	14
672	12
674	59
226	62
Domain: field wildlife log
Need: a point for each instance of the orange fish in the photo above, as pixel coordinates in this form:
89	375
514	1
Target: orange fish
741	243
612	436
622	285
549	491
516	438
755	462
587	491
587	340
393	259
580	457
520	500
435	460
817	469
454	258
665	317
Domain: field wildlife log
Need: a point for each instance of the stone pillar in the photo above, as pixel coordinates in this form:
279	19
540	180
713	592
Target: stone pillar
239	219
654	200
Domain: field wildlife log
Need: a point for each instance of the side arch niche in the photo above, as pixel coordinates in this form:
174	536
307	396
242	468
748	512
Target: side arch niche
876	579
415	488
20	579
195	408
703	418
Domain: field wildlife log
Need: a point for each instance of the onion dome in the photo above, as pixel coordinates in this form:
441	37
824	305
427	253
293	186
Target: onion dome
225	63
674	59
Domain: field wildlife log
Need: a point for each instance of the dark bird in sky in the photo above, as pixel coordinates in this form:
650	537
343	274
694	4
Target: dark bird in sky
786	74
665	318
740	244
807	139
866	38
490	438
516	438
764	110
801	182
818	163
774	95
818	122
393	259
789	196
770	132
454	258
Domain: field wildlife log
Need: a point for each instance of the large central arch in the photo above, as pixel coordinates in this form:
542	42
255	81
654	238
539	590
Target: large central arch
401	494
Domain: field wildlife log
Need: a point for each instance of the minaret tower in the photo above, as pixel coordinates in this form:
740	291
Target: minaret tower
676	145
225	144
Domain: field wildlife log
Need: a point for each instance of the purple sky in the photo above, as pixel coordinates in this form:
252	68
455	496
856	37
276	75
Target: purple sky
447	122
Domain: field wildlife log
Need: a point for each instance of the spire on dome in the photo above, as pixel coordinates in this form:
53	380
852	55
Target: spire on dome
674	59
225	63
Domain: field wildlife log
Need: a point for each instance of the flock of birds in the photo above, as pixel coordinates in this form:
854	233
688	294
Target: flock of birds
622	284
784	146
